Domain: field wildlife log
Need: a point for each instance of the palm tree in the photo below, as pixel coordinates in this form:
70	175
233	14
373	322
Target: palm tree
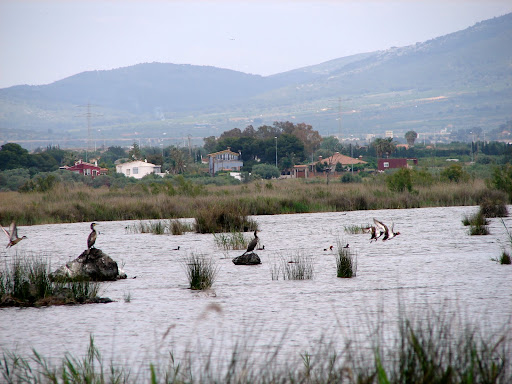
384	146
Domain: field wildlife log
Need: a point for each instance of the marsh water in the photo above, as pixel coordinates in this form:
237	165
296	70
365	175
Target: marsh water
432	265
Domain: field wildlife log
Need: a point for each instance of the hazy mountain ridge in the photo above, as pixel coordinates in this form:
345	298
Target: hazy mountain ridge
471	69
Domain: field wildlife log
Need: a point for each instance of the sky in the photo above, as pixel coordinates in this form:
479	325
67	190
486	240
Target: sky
45	41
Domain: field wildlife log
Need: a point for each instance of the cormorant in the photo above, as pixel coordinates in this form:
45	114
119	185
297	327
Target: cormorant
13	235
92	237
253	243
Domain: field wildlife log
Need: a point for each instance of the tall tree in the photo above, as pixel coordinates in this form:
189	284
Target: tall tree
411	137
384	146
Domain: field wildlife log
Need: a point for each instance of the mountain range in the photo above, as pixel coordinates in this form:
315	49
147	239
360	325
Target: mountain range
457	81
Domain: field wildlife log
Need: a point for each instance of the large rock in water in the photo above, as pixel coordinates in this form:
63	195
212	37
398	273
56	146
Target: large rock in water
93	265
247	259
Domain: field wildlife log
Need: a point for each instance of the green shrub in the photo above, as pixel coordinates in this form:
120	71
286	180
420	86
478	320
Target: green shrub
266	171
501	179
454	173
400	180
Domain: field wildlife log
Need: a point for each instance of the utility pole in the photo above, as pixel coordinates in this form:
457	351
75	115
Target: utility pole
339	118
88	115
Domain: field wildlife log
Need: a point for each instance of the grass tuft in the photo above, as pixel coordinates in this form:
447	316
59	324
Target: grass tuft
231	241
297	267
346	262
201	272
26	282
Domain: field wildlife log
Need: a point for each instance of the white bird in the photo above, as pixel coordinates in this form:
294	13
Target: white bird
13	235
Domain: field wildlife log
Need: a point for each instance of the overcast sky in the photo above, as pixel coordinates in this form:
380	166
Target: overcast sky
44	41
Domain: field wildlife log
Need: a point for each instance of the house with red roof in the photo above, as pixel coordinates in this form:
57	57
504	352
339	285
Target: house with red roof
86	169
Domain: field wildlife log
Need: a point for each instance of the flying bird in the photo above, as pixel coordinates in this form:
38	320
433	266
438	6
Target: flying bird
12	234
383	230
92	237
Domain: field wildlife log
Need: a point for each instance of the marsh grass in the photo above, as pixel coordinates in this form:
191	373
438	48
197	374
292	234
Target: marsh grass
346	262
231	241
154	227
223	219
25	281
433	350
78	203
356	229
296	267
177	227
201	271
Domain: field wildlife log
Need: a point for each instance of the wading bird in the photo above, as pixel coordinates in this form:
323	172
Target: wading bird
92	237
13	235
253	243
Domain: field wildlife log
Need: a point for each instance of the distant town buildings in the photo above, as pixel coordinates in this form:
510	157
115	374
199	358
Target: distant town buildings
309	170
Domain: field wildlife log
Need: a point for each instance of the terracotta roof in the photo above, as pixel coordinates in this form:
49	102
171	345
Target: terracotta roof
339	158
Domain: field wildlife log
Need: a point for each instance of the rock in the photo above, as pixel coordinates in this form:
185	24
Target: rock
93	265
247	259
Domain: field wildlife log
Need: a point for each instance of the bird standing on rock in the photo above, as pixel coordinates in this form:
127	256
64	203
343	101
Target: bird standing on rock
253	243
92	237
13	235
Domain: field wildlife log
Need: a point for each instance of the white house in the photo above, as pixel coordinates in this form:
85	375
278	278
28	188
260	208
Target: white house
225	160
138	169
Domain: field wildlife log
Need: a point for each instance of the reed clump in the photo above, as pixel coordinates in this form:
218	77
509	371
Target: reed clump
26	282
223	219
231	241
346	262
201	271
177	227
296	267
356	229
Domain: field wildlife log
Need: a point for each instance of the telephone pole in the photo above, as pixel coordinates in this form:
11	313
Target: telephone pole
88	114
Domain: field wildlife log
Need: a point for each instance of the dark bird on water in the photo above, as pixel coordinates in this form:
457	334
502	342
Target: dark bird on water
12	234
253	243
92	237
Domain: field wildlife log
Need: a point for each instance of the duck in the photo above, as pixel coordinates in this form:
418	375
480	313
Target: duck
262	248
383	231
176	249
329	249
12	234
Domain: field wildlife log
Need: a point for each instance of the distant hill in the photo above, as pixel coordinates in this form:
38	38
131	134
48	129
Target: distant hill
460	80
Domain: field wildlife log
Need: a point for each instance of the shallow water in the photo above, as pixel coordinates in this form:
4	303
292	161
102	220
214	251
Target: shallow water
433	264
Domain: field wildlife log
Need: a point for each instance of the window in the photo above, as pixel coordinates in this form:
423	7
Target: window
128	172
135	170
